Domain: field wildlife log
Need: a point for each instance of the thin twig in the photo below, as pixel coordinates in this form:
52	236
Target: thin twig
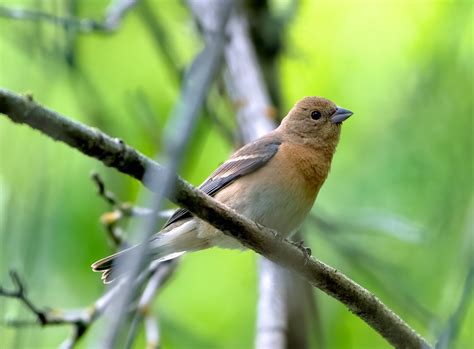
79	319
160	272
82	319
195	88
108	196
20	293
158	33
115	13
110	220
167	52
125	209
152	331
156	281
116	154
85	25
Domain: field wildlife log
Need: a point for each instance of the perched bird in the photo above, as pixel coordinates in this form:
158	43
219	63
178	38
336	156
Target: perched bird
273	181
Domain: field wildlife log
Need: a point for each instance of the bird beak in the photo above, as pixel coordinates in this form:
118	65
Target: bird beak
340	115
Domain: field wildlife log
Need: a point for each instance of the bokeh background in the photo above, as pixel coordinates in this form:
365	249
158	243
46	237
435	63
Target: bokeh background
397	209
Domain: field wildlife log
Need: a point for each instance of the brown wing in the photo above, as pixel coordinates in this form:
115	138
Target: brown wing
244	161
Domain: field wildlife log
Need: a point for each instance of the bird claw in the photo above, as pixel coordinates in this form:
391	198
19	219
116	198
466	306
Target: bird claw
306	250
276	235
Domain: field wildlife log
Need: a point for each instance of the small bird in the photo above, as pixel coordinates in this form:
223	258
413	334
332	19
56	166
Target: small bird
273	181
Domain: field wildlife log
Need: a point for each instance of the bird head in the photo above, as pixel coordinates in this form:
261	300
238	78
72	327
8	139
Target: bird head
315	121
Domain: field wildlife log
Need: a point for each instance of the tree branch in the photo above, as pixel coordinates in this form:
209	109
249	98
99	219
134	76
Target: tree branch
114	153
178	131
160	272
82	319
79	319
161	275
114	15
110	220
20	293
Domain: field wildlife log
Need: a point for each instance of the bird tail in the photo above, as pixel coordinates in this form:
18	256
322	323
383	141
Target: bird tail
162	247
108	265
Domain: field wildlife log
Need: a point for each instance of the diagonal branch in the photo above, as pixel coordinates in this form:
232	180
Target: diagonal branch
196	85
114	15
160	272
163	272
115	153
20	293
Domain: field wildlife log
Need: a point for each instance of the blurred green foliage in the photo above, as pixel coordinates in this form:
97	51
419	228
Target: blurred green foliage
398	202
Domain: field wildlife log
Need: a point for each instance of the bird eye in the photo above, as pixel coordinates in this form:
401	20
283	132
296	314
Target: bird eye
315	115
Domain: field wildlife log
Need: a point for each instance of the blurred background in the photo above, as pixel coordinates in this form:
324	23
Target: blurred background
395	215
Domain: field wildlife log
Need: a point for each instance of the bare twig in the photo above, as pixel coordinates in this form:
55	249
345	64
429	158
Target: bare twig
161	275
195	89
110	220
85	25
158	33
126	209
79	319
151	330
115	13
107	195
167	52
121	210
82	319
116	154
20	293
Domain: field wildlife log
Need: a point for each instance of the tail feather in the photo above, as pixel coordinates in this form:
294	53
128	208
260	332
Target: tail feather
105	263
163	246
108	264
106	276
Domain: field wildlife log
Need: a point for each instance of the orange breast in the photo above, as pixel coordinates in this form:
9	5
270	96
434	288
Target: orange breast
306	166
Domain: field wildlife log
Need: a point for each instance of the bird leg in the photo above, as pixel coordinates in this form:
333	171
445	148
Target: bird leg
300	244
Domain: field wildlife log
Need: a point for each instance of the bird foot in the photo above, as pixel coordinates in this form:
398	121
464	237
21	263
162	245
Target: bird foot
276	235
306	250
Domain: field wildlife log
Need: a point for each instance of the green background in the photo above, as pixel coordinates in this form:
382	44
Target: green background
400	190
